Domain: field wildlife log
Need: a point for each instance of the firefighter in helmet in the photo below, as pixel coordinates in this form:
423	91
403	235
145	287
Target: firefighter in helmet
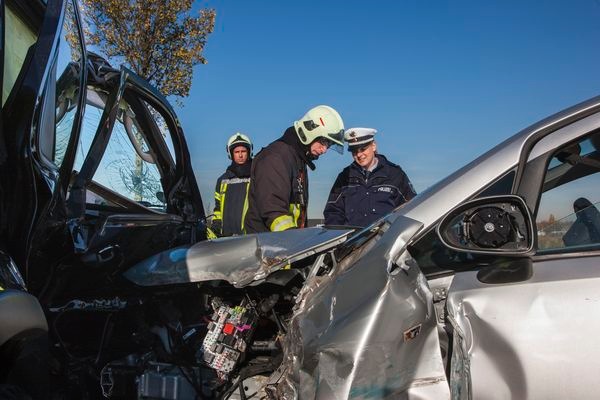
231	191
278	197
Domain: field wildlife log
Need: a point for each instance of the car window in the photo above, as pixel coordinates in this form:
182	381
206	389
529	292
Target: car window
89	124
67	77
128	165
19	37
568	218
62	92
162	126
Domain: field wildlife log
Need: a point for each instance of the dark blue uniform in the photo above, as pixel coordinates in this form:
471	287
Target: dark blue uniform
360	197
231	200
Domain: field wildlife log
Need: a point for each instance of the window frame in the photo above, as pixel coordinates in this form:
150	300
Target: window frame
537	159
175	174
46	120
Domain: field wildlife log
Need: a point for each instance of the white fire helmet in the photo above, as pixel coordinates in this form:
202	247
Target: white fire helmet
238	139
321	122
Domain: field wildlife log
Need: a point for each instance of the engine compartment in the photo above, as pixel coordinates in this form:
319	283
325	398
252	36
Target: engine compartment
208	340
205	320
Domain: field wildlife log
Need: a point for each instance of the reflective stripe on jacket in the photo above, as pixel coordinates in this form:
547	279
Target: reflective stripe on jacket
287	221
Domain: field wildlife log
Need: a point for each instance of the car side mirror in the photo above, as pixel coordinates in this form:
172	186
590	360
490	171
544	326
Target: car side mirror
500	225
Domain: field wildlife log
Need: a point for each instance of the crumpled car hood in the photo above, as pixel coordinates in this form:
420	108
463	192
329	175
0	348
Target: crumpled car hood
239	260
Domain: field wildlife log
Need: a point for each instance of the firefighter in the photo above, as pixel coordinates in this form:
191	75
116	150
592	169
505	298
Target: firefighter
231	191
369	188
278	197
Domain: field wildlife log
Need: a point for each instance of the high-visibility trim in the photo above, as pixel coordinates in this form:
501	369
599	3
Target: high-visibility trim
222	202
245	210
287	221
295	211
210	235
282	223
218	215
223	186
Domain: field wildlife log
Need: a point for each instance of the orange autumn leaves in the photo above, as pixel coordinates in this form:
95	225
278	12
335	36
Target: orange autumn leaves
160	40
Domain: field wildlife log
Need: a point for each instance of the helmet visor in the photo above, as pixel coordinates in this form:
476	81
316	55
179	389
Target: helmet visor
337	142
330	144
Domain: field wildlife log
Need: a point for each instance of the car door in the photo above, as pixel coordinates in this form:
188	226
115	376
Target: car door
133	192
534	336
44	58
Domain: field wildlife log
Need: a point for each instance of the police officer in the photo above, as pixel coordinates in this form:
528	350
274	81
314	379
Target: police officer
369	188
231	191
278	197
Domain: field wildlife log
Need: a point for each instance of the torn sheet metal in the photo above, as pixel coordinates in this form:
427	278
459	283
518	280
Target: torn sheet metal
365	331
239	260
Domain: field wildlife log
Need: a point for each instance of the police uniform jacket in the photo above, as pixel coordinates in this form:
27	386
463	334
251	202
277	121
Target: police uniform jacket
231	200
278	194
359	197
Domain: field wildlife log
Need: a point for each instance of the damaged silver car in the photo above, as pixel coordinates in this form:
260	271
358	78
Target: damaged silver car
484	286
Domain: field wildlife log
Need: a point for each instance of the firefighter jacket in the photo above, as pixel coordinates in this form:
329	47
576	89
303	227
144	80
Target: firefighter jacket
231	200
359	197
278	196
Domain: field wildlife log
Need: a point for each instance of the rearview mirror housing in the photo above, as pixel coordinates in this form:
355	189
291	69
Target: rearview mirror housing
499	225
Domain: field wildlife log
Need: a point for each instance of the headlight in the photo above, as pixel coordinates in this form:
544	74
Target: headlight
10	277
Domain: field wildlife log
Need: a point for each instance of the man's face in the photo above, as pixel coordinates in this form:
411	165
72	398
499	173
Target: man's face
319	147
240	154
365	155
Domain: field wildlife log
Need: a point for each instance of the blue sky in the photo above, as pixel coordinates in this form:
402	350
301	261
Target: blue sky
442	82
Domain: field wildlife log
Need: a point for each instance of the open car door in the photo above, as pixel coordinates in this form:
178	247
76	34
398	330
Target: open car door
44	71
133	192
